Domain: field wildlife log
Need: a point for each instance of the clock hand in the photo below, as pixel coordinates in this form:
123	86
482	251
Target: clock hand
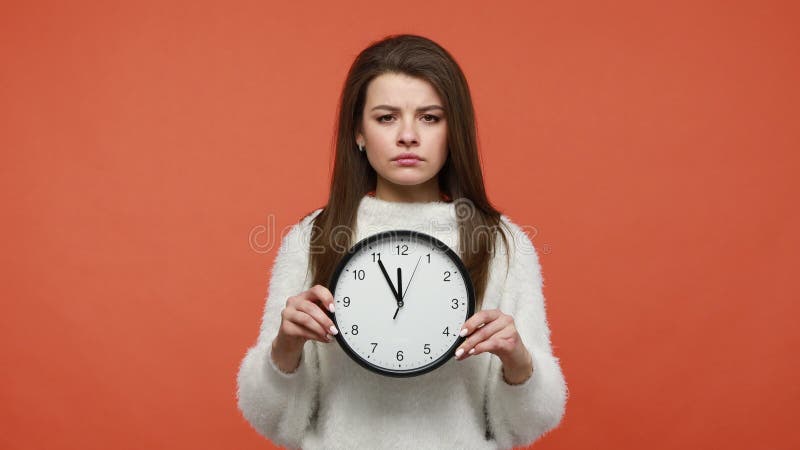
403	294
400	284
388	280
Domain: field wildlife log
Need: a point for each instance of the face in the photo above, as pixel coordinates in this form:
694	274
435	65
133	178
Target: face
403	114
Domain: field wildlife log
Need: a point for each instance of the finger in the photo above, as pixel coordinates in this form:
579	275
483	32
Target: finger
306	303
481	335
315	311
479	319
297	331
500	342
323	295
304	320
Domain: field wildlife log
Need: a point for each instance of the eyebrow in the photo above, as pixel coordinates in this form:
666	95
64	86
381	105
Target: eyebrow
395	108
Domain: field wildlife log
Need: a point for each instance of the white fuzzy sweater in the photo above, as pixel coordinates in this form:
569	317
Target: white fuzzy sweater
333	403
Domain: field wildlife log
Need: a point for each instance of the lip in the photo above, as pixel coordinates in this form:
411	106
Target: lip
407	156
410	162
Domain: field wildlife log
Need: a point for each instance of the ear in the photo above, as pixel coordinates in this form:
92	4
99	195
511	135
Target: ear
359	138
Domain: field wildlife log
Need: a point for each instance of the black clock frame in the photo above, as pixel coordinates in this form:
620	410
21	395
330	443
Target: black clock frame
412	235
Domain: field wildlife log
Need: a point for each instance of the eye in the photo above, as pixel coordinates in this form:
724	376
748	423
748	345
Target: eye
380	119
430	118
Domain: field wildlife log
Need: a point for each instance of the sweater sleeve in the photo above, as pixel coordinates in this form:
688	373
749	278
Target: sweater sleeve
279	405
518	415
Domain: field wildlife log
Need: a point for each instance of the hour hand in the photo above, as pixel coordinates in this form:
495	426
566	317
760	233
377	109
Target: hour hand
400	286
389	280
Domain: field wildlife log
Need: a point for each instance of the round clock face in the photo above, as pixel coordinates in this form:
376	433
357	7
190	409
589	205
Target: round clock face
401	299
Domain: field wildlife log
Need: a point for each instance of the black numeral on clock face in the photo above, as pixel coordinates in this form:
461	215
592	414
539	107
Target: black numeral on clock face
399	355
376	258
359	274
447	275
374	345
455	303
354	330
446	331
427	350
402	249
346	301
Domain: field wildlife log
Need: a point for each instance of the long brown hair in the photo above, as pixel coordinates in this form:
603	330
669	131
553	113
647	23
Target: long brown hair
460	178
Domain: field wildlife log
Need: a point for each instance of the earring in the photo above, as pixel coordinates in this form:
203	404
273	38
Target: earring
360	147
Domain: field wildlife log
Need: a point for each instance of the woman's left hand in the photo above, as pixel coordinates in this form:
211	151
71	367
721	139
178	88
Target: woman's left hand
495	332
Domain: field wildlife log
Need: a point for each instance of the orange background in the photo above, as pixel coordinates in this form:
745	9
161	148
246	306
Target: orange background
147	147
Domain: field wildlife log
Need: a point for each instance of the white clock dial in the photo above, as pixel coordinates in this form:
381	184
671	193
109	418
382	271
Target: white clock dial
401	299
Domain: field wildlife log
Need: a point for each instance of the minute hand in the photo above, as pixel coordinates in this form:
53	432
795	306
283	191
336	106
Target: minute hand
389	280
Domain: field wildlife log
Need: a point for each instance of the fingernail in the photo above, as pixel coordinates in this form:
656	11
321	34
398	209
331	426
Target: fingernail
459	352
330	307
329	337
464	332
472	351
334	330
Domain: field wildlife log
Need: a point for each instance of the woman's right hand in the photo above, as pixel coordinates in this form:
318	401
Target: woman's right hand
302	319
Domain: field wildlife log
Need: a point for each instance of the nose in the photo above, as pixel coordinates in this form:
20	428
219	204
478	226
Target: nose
408	135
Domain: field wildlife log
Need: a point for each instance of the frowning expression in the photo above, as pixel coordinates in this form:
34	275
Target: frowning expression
404	115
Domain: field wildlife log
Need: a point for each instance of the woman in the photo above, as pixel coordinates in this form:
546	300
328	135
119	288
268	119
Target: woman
406	157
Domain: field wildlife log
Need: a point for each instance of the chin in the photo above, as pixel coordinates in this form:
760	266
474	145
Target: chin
409	180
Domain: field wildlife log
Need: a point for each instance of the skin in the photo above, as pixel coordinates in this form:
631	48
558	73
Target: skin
387	132
401	114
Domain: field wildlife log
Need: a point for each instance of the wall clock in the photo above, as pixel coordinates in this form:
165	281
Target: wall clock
401	298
